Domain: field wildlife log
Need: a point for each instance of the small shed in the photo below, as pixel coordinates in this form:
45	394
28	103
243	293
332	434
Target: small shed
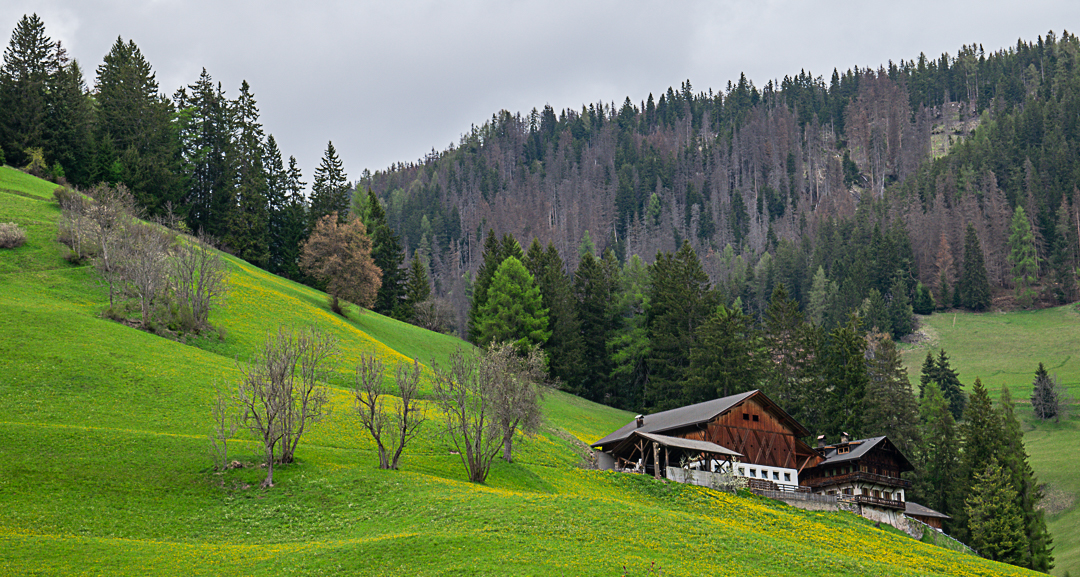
925	514
642	452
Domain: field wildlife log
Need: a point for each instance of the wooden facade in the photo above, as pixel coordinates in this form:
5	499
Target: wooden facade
756	429
866	471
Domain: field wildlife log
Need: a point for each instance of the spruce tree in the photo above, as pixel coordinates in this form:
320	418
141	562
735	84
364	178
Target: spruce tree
1063	257
924	300
70	121
728	357
996	523
899	310
417	288
928	374
937	482
330	191
974	288
1022	257
948	381
24	89
785	341
246	228
594	292
844	368
388	254
889	404
1044	397
136	136
629	342
981	431
564	347
819	294
1014	460
205	139
490	261
680	301
294	229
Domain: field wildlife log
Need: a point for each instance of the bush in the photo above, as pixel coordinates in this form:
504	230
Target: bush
3	160
11	235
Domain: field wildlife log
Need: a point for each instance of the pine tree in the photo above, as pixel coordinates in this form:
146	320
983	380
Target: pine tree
889	403
1022	257
513	311
995	521
24	89
330	191
974	288
1014	460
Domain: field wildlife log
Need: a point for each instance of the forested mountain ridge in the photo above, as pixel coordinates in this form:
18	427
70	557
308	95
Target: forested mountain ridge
760	168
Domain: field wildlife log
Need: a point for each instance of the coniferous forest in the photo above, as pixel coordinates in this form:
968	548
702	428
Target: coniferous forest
664	251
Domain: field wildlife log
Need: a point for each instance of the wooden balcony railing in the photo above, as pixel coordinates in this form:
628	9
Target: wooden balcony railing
877	501
859	476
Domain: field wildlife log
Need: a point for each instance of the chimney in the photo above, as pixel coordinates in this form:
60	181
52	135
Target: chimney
640	420
821	441
844	437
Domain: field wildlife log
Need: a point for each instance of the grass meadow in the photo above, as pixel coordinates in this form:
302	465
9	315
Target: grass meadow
1004	349
105	467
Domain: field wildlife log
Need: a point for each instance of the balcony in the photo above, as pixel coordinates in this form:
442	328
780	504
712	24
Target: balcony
875	501
873	478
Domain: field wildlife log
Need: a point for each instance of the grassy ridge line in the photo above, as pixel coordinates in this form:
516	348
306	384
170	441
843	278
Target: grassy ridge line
97	495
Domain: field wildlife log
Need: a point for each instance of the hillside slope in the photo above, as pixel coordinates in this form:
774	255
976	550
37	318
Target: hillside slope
1004	349
105	468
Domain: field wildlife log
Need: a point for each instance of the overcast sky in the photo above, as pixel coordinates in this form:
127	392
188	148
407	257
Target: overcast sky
389	81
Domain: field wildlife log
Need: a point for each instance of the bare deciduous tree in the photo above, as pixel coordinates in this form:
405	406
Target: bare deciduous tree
485	397
224	428
340	255
141	262
107	217
391	431
200	280
282	391
435	314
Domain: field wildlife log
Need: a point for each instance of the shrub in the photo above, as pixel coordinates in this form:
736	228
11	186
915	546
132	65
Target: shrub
11	235
3	160
37	165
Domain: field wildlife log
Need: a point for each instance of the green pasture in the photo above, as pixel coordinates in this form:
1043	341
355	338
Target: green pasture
105	469
1005	349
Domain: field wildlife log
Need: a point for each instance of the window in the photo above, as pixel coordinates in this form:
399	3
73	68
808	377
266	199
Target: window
787	477
843	450
753	472
848	491
755	418
746	416
866	492
742	471
831	492
886	495
877	494
775	476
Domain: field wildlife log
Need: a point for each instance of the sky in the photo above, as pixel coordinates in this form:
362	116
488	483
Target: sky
388	82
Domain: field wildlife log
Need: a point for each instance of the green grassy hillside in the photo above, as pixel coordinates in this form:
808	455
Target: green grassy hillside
1005	349
105	468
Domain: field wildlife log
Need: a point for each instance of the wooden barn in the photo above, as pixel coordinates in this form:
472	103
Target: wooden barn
749	424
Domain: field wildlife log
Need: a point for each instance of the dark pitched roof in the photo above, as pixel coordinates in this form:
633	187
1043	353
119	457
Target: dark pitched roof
859	449
912	508
696	414
688	444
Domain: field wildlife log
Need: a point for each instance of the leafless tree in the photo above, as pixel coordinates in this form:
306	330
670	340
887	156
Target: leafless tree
200	280
224	428
475	393
141	261
107	216
435	314
282	391
391	431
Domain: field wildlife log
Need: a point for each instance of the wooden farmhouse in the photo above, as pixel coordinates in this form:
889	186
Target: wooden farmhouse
866	471
748	427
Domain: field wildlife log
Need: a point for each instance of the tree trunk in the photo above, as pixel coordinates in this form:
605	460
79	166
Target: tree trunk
508	446
269	481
